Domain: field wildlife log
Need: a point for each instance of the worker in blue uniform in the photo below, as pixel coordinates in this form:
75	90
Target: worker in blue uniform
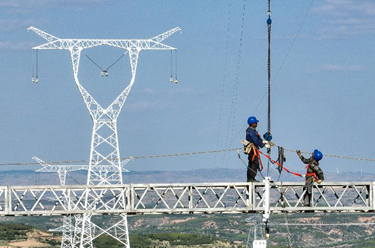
256	142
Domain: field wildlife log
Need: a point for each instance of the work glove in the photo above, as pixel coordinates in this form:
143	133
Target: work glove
318	181
299	153
267	144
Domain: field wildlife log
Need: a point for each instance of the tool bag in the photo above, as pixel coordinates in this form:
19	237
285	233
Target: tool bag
247	146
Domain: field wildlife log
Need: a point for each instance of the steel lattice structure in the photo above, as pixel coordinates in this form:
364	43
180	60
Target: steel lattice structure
135	199
104	143
67	228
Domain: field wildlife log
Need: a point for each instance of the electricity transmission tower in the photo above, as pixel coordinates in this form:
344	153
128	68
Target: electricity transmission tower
67	228
104	152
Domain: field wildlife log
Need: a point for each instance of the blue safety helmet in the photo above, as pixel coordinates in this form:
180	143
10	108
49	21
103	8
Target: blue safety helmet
318	155
251	120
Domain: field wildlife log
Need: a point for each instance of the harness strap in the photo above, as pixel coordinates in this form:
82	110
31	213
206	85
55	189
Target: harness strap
310	174
256	153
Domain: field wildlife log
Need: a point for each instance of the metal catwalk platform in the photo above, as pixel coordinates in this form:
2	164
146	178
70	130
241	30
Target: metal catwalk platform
184	198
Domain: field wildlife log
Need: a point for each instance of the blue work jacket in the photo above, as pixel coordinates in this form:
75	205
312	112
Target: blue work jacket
253	136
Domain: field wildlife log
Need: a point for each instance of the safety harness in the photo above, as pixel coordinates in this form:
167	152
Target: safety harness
248	147
310	174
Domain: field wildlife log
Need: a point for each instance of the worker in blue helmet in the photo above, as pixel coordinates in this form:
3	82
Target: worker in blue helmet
314	173
256	142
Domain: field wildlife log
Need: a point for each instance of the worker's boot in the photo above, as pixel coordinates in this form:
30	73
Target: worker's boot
252	180
307	200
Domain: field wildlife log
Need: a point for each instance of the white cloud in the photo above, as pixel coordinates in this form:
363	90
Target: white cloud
346	18
146	105
342	68
7	25
21	46
30	6
345	8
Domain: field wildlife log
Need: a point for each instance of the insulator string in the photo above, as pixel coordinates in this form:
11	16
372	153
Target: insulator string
176	80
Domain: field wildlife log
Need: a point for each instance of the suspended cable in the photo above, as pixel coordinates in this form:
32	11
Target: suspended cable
117	60
269	22
73	178
224	81
286	56
94	62
372	155
279	69
268	135
232	113
184	154
104	72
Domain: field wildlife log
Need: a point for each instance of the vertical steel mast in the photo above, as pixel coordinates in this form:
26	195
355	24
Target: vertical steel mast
105	164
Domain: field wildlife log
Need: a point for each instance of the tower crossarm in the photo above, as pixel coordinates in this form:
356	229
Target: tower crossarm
159	38
55	43
62	167
46	167
48	37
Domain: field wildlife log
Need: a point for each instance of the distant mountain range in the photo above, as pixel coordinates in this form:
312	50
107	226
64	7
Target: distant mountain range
28	177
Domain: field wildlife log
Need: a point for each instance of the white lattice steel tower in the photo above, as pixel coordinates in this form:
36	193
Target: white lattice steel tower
67	228
104	142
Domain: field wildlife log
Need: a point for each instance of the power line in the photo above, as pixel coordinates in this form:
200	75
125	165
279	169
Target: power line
233	108
185	154
224	80
281	66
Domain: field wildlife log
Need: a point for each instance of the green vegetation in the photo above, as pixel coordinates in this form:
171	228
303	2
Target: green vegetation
152	240
108	242
182	238
210	230
13	231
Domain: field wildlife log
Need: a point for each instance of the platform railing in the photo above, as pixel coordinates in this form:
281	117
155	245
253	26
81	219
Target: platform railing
185	198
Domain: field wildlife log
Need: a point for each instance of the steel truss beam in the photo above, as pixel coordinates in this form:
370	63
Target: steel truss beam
183	198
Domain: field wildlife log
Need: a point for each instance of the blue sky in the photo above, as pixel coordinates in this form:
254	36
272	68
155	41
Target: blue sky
322	92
